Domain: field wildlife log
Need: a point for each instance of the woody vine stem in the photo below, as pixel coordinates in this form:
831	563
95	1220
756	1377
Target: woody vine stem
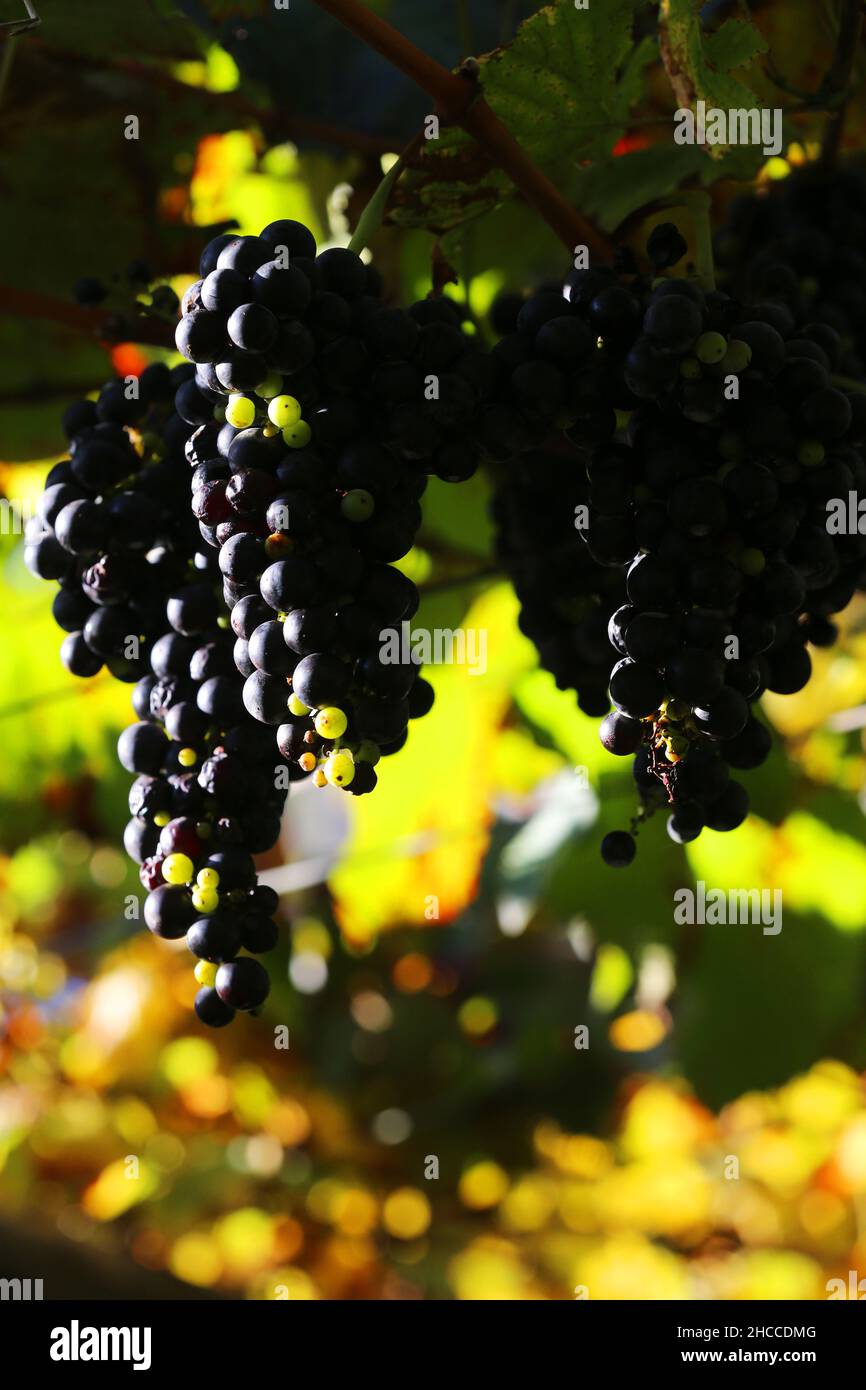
459	100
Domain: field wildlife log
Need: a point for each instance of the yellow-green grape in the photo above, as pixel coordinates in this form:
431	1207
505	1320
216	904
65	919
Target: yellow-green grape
690	368
753	561
675	746
737	357
187	757
203	829
270	431
206	972
810	453
284	411
297	706
358	505
270	387
339	769
330	722
320	779
161	818
677	709
219	414
208	878
368	752
711	348
297	436
205	899
240	412
177	868
307	761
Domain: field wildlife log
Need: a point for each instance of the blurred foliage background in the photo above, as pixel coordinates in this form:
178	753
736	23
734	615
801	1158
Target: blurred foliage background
432	1129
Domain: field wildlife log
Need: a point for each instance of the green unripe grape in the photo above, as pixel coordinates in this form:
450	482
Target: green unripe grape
368	752
810	453
752	561
339	769
711	348
284	411
208	878
270	387
330	722
161	818
297	706
675	746
177	868
205	900
358	505
690	368
677	710
187	757
737	357
240	412
297	436
219	414
206	972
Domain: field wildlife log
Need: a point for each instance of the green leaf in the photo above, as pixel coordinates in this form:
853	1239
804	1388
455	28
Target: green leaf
564	88
615	187
458	517
701	65
567	809
753	1007
112	31
734	45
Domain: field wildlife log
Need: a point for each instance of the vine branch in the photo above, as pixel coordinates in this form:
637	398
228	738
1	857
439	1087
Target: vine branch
459	100
838	79
103	324
276	123
459	581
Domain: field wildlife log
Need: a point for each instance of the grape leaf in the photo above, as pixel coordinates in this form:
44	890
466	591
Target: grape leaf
566	84
755	1007
564	88
734	45
134	30
610	190
700	66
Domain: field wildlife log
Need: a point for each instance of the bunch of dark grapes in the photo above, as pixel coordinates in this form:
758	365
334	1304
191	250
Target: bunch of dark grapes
112	525
140	593
719	438
566	598
801	241
320	412
208	795
128	294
